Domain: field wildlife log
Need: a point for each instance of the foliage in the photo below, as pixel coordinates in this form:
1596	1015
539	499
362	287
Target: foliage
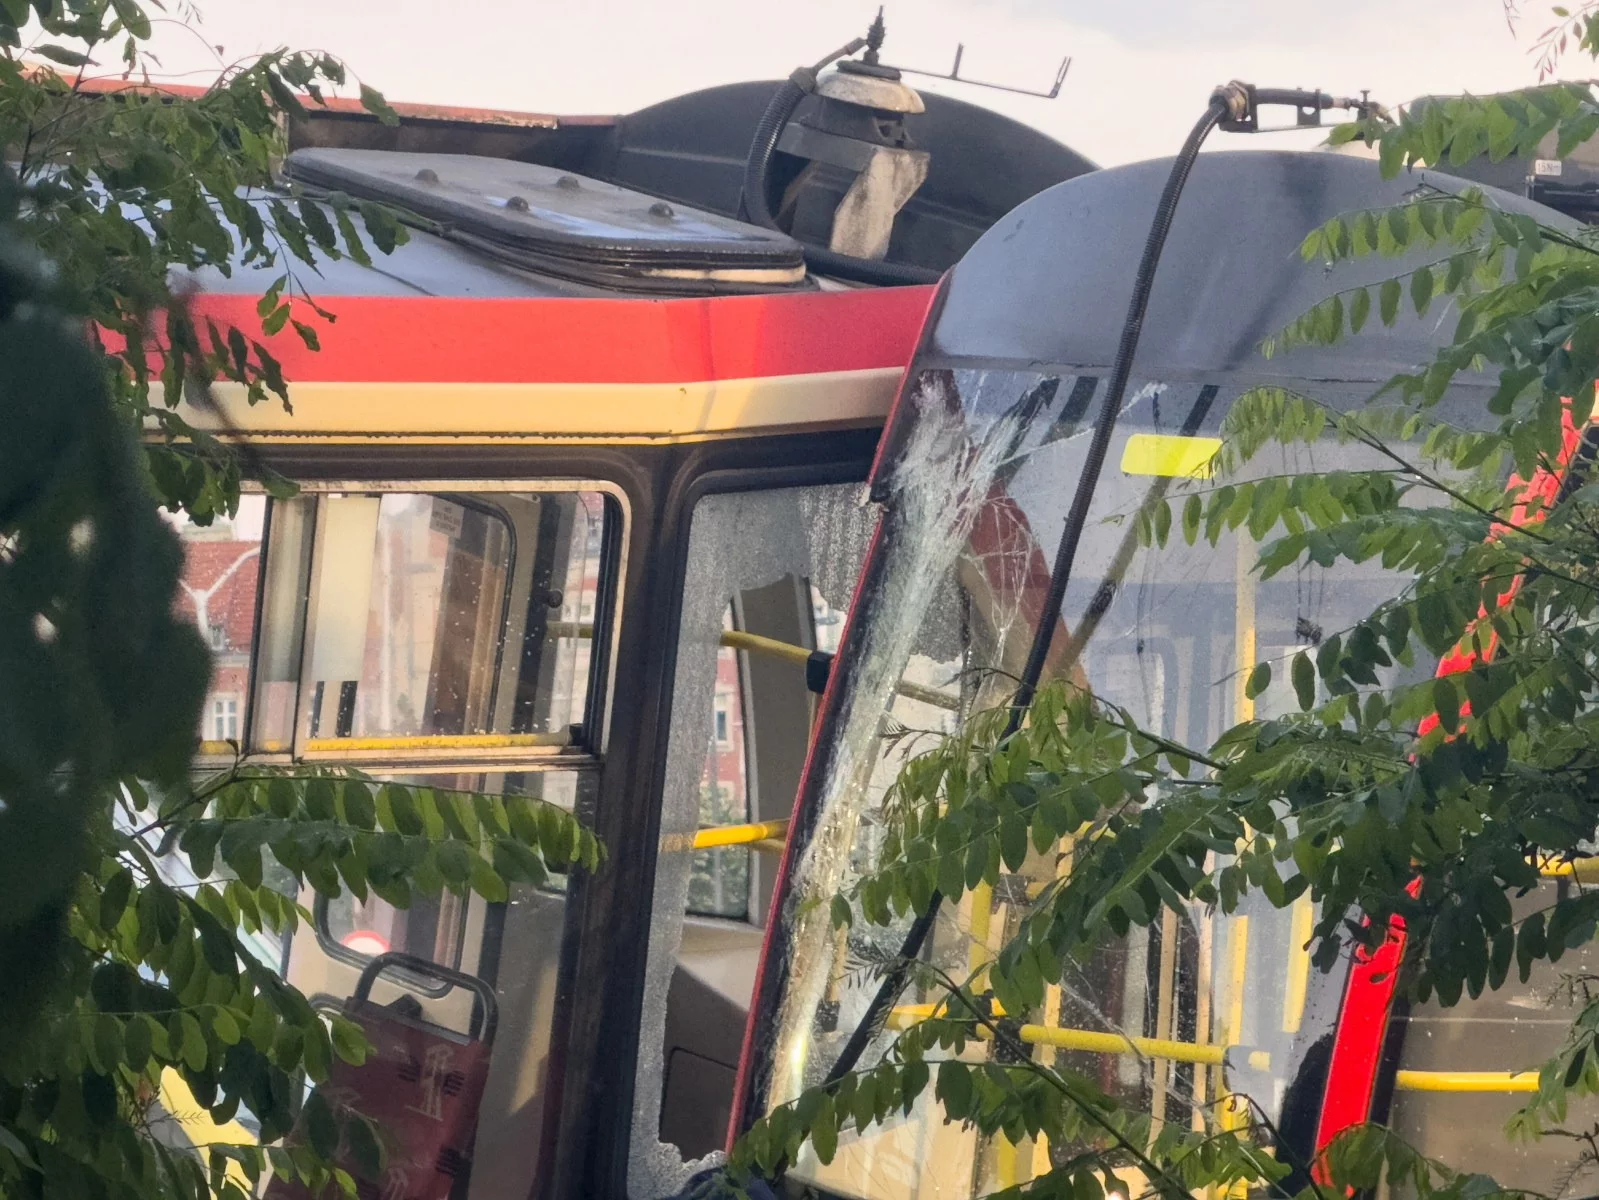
1575	28
1386	793
119	977
126	183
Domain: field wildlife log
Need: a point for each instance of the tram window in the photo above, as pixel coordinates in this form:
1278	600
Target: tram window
1170	634
282	626
217	592
434	927
393	619
430	928
763	563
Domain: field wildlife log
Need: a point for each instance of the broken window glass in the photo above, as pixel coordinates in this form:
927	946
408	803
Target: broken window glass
745	549
977	493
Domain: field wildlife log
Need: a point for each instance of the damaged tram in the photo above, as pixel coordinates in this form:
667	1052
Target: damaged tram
989	444
588	484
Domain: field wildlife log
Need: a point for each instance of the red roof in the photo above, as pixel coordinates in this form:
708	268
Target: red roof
117	84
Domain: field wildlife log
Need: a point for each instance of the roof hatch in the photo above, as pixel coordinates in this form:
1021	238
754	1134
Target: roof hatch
558	223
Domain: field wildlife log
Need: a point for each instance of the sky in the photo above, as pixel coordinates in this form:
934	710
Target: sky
1141	71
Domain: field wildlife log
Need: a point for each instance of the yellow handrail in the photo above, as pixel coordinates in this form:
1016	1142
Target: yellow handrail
754	643
1211	1054
1096	1041
739	835
1466	1081
737	639
440	741
1583	870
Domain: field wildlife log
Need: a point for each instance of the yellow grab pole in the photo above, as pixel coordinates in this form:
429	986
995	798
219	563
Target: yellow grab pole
1093	1041
754	643
738	835
1466	1081
440	741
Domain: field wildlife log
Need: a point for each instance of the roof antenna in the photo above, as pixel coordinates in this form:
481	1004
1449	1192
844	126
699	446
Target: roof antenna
874	38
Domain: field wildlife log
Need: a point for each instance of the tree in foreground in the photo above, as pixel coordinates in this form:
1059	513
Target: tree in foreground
115	975
1440	801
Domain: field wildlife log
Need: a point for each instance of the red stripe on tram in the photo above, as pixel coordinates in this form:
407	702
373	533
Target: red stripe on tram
431	339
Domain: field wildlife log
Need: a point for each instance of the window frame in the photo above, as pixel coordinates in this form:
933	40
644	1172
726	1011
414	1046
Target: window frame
595	718
225	711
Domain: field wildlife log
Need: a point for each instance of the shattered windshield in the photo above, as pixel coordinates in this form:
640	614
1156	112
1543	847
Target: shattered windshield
976	496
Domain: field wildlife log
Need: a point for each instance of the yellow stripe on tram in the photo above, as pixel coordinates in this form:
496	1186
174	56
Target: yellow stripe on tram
1304	924
1169	455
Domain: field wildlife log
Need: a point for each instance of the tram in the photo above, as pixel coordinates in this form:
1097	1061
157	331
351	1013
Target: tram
592	470
977	468
580	511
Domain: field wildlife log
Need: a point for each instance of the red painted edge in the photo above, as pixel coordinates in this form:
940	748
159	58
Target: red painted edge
1357	1045
427	339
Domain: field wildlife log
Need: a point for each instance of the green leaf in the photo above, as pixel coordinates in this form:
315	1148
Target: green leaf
136	1042
1388	300
316	221
225	1027
1359	309
1259	680
114	897
1421	290
363	1145
372	100
189	1041
842	915
349	1040
321	1129
133	17
60	54
1193	511
13	1145
487	883
1446	700
108	1043
1304	681
824	1131
954	1089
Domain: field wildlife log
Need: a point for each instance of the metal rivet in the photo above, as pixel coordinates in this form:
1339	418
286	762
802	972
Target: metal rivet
518	203
427	175
661	209
569	182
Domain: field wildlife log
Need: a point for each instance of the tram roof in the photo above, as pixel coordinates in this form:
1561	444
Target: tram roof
1050	283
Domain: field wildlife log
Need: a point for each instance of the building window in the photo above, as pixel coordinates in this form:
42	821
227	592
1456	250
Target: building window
225	719
723	733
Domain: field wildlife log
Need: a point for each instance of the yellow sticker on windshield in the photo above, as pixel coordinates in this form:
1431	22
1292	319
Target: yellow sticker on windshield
1169	455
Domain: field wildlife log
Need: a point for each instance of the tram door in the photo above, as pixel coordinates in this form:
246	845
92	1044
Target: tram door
458	639
444	638
768	577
